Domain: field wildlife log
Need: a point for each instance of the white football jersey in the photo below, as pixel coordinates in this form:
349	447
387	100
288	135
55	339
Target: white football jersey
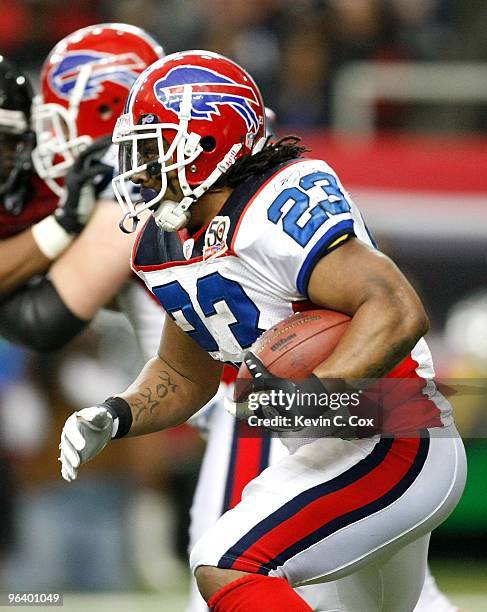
243	273
250	267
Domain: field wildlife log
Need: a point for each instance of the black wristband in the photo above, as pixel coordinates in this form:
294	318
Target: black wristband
120	410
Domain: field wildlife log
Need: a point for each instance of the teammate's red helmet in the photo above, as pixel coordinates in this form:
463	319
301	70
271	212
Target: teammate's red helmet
85	81
205	112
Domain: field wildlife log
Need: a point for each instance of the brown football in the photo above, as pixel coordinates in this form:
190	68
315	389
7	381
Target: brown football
296	345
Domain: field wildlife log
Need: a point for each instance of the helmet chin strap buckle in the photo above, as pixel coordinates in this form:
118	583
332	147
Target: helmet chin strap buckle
173	216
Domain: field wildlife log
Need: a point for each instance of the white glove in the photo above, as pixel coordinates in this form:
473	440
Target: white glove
84	435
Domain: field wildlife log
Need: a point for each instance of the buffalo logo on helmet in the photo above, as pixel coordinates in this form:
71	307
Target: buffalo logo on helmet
120	69
209	91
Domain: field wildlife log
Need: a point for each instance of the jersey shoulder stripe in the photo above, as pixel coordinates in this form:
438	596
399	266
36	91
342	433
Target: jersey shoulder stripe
301	213
335	237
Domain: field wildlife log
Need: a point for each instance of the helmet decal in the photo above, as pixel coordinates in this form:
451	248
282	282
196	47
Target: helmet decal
209	91
205	112
120	69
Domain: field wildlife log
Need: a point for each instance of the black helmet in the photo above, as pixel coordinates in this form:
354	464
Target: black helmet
16	137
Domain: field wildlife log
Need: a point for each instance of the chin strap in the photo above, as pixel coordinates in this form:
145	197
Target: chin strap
260	144
172	216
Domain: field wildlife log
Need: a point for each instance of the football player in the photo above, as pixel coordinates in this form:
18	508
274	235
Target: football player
84	83
242	234
24	197
44	321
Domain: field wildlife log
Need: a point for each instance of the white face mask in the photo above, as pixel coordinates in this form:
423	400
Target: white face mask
185	148
58	144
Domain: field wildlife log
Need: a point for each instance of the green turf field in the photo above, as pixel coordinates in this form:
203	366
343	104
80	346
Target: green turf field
465	583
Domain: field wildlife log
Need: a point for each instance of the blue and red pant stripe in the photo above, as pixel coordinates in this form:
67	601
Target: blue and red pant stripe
249	455
371	485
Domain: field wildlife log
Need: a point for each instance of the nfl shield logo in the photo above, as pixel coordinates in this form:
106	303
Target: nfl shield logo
188	248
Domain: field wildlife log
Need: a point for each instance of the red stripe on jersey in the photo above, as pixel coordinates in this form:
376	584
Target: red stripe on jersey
247	463
229	374
368	489
406	407
168	264
405	368
199	232
303	306
248	459
183	235
172	264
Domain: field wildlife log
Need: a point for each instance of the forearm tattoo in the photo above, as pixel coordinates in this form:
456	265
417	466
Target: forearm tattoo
150	398
396	353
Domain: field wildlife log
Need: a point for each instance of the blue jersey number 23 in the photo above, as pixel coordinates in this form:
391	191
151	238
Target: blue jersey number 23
212	289
334	204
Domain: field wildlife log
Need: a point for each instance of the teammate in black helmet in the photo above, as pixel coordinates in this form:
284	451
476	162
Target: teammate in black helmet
16	137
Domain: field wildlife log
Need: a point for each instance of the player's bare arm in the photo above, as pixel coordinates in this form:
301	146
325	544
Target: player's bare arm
91	271
388	317
33	250
173	385
20	260
46	315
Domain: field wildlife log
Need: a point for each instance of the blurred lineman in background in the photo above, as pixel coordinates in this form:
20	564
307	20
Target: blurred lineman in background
193	138
80	103
84	83
25	198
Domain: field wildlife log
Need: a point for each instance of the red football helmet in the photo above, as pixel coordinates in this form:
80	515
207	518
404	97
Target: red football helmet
84	84
204	111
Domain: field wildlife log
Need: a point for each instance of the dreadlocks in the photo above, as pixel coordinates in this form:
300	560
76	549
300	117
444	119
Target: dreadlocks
272	154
